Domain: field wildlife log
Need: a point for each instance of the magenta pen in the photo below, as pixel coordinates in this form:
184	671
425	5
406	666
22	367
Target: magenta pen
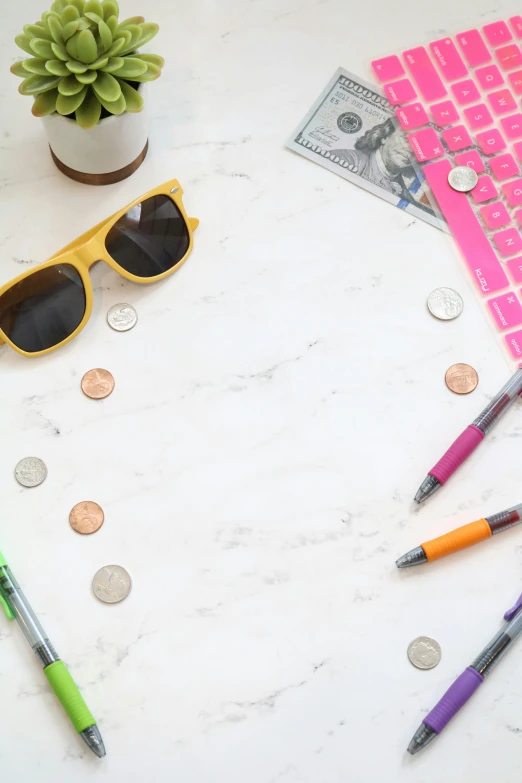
468	441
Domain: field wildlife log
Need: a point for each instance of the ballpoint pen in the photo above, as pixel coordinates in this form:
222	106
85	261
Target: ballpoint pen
468	682
462	537
468	440
16	607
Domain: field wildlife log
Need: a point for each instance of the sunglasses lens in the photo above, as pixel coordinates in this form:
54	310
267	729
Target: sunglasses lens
150	238
43	309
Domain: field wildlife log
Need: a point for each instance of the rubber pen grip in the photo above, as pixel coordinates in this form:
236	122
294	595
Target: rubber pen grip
459	451
455	697
460	538
67	691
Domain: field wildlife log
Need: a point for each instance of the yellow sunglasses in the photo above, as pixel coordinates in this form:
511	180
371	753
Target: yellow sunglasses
149	239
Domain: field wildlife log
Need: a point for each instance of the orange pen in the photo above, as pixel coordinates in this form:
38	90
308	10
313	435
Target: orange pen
461	537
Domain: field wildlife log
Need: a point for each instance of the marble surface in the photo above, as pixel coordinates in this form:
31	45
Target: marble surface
275	409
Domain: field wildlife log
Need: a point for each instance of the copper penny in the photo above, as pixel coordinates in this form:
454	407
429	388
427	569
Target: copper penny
97	384
86	517
461	378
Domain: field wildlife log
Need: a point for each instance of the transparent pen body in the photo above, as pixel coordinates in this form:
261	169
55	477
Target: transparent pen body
498	646
500	403
26	618
504	519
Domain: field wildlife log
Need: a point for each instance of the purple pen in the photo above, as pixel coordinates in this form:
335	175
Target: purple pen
468	441
465	686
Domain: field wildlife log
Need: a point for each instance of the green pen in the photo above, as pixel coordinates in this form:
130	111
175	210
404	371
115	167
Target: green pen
16	607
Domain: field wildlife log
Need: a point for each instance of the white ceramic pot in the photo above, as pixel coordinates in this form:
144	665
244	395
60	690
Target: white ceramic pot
107	153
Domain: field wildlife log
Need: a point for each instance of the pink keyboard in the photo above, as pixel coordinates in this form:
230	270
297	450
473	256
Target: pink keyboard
459	100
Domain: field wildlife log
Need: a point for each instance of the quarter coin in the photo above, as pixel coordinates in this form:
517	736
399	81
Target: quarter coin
462	178
111	584
461	378
31	471
122	317
445	304
424	652
97	384
86	517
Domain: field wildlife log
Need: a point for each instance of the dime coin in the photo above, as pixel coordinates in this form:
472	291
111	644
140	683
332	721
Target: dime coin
462	178
461	378
30	472
97	384
424	652
111	584
122	317
445	304
86	517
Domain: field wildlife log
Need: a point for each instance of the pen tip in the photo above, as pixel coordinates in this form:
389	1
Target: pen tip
93	739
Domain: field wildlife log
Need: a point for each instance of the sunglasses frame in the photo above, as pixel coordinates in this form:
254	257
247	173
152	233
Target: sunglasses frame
90	247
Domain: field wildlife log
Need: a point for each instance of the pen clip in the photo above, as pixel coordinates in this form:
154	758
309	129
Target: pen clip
7	609
514	609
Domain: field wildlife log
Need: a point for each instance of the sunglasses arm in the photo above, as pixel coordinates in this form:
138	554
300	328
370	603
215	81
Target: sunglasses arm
194	223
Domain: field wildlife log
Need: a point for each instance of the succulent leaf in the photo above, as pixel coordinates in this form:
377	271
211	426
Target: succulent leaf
93	5
55	28
152	72
45	103
105	35
155	59
88	114
132	67
60	51
112	24
69	14
110	8
113	64
35	84
79	4
75	66
87	49
106	87
70	28
58	6
117	46
24	42
42	48
83	24
66	104
87	78
130	20
148	31
57	67
135	35
36	65
101	62
37	31
70	85
19	70
114	107
133	100
71	46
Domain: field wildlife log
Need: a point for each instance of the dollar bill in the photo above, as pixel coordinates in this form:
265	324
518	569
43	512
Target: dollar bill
351	130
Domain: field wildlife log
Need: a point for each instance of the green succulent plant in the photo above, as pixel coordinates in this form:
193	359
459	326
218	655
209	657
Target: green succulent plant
84	60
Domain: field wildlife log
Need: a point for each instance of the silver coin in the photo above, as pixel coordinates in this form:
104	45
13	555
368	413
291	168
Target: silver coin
445	304
463	178
111	584
30	472
122	317
424	652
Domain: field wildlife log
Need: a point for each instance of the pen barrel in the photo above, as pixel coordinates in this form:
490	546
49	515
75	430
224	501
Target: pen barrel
455	697
70	697
500	403
457	453
457	539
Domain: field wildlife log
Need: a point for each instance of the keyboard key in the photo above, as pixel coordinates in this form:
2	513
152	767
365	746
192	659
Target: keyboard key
444	113
504	166
513	192
517	149
489	77
495	215
516	81
478	116
480	258
472	159
449	61
424	74
402	91
388	68
515	268
484	190
512	126
514	341
412	116
506	310
508	242
465	92
456	138
473	48
502	101
509	57
497	33
516	25
491	141
518	216
425	144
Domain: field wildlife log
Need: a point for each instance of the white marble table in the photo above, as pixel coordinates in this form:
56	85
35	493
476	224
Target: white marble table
274	412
